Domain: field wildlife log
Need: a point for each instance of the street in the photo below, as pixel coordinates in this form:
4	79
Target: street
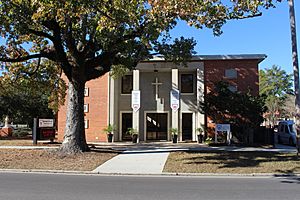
31	186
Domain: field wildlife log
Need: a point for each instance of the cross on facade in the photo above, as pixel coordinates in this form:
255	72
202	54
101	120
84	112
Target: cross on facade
156	84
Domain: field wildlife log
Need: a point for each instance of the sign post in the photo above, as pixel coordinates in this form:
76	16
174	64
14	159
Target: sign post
34	131
223	128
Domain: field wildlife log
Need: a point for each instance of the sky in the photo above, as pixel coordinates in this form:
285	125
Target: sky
268	34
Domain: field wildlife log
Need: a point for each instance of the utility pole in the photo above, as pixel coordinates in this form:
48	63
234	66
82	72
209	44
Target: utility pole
296	69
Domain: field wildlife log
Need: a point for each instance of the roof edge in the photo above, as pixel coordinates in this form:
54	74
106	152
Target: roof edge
259	57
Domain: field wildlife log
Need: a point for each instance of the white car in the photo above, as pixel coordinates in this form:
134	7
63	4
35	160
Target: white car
287	132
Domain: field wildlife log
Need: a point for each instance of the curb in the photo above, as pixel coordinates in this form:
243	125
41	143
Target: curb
166	174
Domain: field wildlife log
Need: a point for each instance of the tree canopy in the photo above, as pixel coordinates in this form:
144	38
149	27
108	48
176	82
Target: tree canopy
86	38
275	84
25	95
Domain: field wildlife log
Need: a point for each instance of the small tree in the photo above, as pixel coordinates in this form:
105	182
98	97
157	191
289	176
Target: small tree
245	115
275	84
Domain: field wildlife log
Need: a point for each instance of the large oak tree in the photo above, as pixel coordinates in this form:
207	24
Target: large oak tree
85	38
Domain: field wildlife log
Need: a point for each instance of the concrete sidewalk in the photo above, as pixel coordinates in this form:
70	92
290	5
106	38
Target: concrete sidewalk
136	162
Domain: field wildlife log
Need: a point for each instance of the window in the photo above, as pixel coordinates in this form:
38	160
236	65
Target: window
286	129
187	83
86	108
231	73
86	92
86	124
127	82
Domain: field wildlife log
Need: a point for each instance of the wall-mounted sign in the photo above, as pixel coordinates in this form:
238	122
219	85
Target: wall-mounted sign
43	123
174	99
135	100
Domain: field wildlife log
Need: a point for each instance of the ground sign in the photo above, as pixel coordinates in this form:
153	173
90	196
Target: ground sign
220	129
43	129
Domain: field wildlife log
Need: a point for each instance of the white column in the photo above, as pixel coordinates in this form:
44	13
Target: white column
175	113
111	100
136	86
200	98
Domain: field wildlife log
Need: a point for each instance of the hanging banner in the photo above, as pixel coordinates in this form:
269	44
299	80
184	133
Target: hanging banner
174	98
135	100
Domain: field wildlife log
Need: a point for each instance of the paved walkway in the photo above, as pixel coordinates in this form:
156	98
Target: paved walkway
136	162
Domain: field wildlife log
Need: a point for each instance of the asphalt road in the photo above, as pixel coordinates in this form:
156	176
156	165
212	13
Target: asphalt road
30	186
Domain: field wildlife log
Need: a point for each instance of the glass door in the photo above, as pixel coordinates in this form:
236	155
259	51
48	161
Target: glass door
157	126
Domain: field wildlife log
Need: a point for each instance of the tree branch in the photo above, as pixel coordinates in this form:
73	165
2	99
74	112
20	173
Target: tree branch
41	34
246	17
25	58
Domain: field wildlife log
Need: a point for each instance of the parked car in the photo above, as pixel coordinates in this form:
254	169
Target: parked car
286	132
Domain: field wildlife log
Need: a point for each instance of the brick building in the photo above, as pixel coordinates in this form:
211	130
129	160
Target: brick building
160	95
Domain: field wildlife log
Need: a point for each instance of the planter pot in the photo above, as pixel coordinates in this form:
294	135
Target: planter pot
134	138
110	137
174	137
200	138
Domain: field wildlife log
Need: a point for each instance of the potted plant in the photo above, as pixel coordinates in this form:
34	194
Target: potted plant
110	132
174	132
200	134
134	134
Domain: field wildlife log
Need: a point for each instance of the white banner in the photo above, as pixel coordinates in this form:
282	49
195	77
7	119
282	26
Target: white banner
135	100
174	99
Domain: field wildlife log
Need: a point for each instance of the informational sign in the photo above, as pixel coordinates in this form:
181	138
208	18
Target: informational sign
44	123
135	100
174	98
223	128
46	134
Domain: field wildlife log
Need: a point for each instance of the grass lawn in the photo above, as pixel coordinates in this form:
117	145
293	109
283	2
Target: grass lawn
50	160
24	142
232	162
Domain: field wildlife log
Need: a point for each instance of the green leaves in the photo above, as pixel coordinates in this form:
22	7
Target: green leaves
275	84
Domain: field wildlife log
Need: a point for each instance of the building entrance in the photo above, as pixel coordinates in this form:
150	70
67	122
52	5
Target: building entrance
126	123
187	126
157	126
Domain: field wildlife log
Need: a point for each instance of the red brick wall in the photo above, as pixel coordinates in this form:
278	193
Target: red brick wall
247	76
98	111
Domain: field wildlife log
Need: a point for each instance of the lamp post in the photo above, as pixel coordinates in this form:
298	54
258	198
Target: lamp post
296	69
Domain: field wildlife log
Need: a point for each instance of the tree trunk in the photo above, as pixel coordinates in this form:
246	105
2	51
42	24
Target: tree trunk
295	66
74	137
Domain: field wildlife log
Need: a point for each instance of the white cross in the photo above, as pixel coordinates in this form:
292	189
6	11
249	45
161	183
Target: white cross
156	84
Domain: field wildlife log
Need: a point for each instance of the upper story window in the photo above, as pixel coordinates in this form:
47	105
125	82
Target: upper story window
86	108
231	73
86	92
187	83
127	84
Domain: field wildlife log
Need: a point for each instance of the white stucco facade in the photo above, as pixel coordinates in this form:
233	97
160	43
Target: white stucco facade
154	118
